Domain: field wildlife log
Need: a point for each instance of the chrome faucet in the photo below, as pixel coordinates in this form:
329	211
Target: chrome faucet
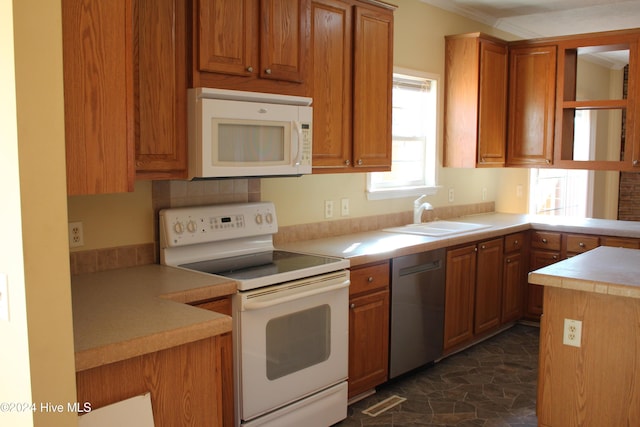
419	207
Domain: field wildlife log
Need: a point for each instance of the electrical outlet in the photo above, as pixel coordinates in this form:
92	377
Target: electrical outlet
328	208
451	195
484	194
4	298
572	332
344	207
76	235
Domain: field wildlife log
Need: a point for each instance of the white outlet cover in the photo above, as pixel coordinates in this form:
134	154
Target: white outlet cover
572	334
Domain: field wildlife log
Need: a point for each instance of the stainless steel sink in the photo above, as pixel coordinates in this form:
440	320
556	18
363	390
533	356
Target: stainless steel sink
437	228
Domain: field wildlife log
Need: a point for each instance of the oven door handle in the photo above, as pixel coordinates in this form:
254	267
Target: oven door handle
271	301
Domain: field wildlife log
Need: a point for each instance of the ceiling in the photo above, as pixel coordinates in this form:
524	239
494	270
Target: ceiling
547	18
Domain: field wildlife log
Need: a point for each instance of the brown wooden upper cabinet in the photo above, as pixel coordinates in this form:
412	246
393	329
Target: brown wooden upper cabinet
253	45
98	67
572	102
532	78
124	93
351	83
475	101
597	110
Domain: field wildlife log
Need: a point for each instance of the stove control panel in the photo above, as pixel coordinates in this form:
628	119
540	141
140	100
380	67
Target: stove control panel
204	224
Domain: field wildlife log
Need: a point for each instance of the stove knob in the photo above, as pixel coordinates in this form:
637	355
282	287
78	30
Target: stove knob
192	227
259	219
269	218
178	228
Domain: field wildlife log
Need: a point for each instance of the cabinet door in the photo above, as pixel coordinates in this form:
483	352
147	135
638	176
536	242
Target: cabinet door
227	36
368	341
97	39
488	294
283	39
372	80
535	293
459	290
331	59
532	87
512	287
161	83
492	101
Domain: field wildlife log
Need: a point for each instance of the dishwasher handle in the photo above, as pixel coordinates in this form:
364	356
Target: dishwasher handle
421	268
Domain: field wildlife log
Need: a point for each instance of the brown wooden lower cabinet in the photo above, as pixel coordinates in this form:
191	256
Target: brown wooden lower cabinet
185	383
459	289
488	291
368	327
514	277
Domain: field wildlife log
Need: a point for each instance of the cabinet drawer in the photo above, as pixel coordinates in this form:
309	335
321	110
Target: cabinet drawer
513	242
546	240
621	242
368	278
577	243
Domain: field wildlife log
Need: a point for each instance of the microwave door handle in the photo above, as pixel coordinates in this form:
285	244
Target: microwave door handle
298	128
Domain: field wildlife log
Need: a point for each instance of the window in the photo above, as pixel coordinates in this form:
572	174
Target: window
566	192
414	118
560	192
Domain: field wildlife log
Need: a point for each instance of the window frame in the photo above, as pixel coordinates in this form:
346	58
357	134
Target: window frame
373	193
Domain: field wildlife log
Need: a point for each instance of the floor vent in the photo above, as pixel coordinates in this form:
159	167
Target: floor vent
383	406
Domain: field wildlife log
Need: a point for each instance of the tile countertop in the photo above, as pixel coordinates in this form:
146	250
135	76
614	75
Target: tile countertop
368	247
119	314
603	270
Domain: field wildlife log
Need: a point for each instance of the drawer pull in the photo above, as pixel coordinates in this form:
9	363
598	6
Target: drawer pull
544	240
483	247
555	257
352	305
508	260
582	245
516	243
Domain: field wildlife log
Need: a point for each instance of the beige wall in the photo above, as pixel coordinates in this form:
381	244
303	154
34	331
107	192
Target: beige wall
40	364
14	369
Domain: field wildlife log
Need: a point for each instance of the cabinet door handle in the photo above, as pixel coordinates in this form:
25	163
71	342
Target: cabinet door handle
516	243
267	71
352	305
359	162
508	260
582	245
555	257
483	247
370	279
635	163
347	162
250	69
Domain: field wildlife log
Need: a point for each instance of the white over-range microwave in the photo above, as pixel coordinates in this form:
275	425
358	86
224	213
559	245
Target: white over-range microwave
244	134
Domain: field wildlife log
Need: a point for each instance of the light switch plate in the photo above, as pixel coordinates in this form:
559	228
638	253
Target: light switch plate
4	298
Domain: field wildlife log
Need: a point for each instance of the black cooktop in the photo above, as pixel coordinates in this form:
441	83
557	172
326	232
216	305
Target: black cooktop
261	264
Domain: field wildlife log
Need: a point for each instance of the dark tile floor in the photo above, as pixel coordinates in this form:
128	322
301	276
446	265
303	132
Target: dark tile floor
490	384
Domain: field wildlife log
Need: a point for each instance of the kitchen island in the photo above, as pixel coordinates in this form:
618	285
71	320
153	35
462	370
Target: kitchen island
595	378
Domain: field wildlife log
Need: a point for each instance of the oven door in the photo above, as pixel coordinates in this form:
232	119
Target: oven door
291	341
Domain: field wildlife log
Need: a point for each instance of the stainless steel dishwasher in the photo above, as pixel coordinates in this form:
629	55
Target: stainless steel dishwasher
417	310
